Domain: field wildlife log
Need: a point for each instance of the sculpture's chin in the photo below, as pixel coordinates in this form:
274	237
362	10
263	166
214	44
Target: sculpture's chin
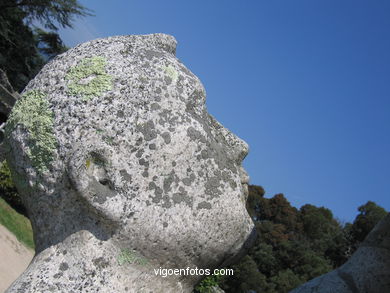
248	243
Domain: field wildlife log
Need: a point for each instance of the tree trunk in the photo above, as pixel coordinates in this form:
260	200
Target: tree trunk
8	97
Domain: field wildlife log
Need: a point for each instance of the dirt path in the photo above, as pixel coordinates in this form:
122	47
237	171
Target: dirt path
14	258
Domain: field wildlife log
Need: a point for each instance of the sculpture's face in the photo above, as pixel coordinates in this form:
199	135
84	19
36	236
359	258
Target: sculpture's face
147	156
187	190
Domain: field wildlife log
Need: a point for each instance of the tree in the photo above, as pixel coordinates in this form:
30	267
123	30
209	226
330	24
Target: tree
294	246
369	215
322	229
208	284
285	281
285	253
19	56
49	43
50	13
8	190
23	48
246	278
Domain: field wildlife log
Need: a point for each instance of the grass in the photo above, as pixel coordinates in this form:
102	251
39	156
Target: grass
16	223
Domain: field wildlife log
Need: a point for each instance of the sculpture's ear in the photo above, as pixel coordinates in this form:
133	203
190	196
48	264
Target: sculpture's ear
88	174
86	168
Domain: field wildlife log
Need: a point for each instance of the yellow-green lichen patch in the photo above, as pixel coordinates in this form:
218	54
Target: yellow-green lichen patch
87	163
89	78
33	113
128	256
171	72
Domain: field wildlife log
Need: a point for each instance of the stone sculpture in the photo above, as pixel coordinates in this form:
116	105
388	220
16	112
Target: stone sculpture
368	269
123	171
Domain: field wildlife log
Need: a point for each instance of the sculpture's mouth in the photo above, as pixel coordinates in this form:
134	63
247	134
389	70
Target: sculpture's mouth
244	177
245	189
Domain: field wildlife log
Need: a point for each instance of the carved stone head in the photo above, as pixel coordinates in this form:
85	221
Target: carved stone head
114	137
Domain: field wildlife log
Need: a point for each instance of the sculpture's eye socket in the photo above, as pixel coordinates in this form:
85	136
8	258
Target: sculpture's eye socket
220	132
107	183
104	181
237	146
97	167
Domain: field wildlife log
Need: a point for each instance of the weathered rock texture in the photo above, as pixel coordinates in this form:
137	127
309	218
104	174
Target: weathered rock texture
367	271
123	171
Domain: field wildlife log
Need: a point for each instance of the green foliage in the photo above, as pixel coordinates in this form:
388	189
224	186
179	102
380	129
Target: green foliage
50	13
278	210
89	78
369	215
285	280
33	113
322	229
16	223
255	201
6	182
19	55
23	49
49	43
294	246
264	257
308	263
317	222
246	277
8	189
206	285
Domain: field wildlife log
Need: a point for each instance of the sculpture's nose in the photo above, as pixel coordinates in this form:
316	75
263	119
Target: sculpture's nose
240	147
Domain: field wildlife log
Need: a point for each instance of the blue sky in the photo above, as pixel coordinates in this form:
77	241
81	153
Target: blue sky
306	83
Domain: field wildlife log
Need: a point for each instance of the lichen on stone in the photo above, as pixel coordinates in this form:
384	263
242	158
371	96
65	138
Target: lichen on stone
33	113
171	72
87	163
128	256
89	78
